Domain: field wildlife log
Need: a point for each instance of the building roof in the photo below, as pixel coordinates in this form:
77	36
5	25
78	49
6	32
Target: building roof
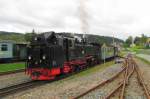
6	41
10	41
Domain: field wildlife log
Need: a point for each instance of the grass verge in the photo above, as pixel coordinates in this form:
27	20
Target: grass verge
11	66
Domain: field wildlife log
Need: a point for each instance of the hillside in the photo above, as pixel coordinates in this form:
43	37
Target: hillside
96	38
18	37
103	39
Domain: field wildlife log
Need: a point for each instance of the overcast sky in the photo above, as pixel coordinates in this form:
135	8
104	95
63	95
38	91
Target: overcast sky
120	18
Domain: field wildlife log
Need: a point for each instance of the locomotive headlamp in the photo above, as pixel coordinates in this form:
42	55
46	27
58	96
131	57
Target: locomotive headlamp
44	57
35	38
29	57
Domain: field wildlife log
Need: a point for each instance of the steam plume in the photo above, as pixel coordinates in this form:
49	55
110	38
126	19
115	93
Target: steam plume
83	16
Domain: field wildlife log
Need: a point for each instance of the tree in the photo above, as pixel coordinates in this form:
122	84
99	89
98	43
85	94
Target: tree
129	41
137	40
28	36
143	39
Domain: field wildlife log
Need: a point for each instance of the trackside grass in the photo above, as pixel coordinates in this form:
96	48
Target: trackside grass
11	66
21	65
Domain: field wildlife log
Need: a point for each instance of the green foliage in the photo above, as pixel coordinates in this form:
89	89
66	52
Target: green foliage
137	41
17	37
28	36
143	39
96	38
103	39
129	41
140	42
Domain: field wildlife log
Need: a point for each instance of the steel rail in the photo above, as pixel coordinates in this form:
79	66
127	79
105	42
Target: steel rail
11	72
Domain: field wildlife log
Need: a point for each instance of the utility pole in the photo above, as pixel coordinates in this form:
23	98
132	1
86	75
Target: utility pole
104	55
113	40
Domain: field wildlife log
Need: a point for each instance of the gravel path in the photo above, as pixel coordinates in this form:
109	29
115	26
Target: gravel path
68	87
7	80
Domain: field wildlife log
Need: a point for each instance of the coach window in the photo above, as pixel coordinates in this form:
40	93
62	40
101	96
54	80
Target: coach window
4	47
64	42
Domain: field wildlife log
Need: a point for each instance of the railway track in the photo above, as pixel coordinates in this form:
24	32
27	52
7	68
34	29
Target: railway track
129	70
27	85
11	72
20	87
130	67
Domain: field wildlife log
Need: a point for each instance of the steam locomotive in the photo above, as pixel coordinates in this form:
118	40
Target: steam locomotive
52	54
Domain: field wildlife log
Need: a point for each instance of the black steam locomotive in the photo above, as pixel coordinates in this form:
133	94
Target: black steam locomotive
51	54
